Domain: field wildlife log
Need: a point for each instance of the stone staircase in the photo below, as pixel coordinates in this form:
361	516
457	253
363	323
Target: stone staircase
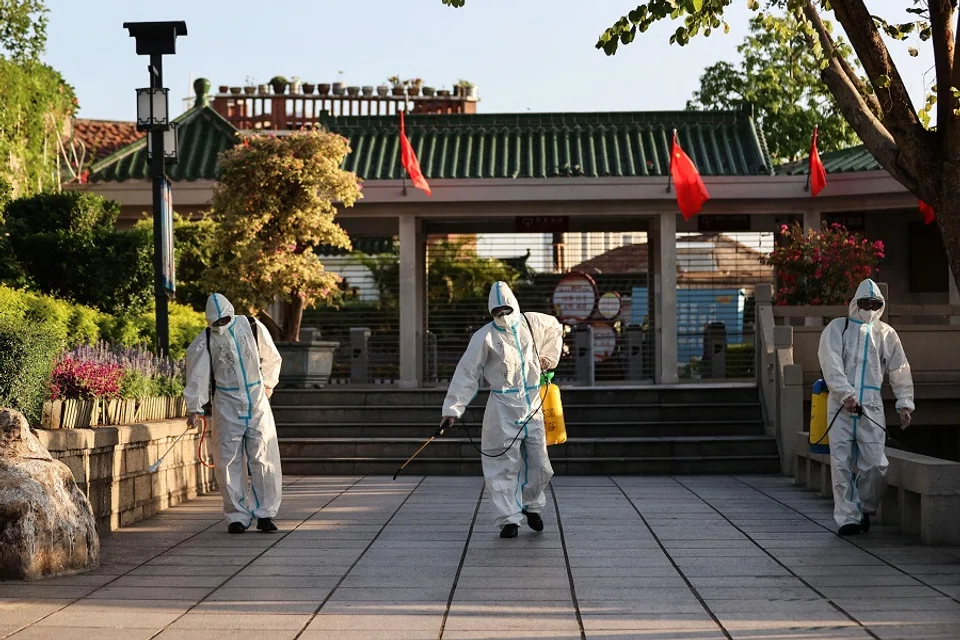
649	430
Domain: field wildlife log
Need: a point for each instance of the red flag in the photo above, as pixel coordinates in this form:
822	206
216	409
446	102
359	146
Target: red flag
818	175
691	193
927	212
409	160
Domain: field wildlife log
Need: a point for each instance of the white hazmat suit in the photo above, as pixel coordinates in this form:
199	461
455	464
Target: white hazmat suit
855	353
504	355
244	433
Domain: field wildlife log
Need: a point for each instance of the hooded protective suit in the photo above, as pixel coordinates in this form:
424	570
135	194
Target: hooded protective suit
504	355
243	425
855	353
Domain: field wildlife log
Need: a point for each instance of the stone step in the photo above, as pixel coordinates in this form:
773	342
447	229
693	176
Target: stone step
646	395
429	414
725	465
606	429
573	449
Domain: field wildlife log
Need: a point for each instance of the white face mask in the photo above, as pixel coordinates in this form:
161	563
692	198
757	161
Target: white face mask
222	329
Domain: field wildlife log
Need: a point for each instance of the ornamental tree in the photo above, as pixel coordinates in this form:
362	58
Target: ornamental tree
276	200
821	267
925	160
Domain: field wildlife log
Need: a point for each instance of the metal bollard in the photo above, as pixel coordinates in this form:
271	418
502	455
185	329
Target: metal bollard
359	355
635	355
715	350
583	345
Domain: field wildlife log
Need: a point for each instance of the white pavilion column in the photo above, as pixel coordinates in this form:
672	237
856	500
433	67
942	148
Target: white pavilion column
663	238
413	275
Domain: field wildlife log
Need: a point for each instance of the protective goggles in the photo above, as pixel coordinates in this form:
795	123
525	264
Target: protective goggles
500	312
223	321
870	304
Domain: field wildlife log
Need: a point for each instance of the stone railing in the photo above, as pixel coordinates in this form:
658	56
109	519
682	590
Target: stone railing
110	465
779	378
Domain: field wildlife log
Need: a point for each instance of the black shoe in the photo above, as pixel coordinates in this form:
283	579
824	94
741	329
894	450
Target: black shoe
534	521
849	529
509	531
236	527
266	525
865	523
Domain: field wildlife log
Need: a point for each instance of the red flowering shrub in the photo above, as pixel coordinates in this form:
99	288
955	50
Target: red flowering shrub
78	379
823	267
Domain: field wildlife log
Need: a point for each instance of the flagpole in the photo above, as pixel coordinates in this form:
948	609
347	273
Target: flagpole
670	166
403	171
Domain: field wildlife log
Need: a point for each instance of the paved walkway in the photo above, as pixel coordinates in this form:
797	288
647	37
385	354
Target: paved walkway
626	557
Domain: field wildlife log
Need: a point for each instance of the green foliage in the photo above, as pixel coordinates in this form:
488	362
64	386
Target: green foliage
74	325
779	75
37	103
27	353
275	203
134	384
65	245
194	246
23	29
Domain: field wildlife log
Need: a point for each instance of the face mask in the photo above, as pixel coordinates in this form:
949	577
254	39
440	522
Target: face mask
221	325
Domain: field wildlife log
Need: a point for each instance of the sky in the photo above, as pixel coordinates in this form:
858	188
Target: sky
524	55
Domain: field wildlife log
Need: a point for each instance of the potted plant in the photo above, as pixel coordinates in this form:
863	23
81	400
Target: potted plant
236	90
413	86
353	91
263	89
222	89
323	89
383	90
250	86
295	85
429	92
297	178
397	85
367	90
466	89
443	93
279	84
338	86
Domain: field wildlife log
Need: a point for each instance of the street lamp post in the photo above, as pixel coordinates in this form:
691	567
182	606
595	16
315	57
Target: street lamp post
156	39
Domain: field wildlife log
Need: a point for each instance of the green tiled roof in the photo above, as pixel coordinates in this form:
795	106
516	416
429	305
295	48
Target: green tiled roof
532	145
203	134
548	145
842	161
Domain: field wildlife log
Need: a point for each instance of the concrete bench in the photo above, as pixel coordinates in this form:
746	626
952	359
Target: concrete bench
923	497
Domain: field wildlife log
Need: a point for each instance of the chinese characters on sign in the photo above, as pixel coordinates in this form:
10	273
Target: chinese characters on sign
575	297
543	224
166	224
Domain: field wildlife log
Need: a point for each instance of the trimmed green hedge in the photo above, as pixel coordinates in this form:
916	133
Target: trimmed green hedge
27	354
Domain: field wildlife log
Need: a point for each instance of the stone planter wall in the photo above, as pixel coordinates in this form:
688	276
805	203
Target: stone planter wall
110	466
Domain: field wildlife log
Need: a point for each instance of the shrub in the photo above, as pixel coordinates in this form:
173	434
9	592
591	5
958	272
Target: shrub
27	353
83	379
118	372
822	267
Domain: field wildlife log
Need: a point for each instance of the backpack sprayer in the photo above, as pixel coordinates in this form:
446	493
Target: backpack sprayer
550	405
818	419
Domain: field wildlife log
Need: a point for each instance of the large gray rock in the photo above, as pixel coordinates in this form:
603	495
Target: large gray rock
46	523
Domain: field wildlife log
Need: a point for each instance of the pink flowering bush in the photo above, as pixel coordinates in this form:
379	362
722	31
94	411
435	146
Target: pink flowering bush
822	267
79	379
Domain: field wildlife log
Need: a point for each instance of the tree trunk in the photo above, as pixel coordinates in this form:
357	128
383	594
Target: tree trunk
270	324
948	219
294	316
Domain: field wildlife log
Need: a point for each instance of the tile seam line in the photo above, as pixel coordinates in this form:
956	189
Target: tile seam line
777	560
256	557
128	571
343	578
683	576
463	558
566	560
864	549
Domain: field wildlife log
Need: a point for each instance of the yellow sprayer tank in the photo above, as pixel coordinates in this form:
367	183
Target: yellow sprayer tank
552	411
819	440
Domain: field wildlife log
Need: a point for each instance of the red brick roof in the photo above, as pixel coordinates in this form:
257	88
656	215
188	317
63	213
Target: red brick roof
103	137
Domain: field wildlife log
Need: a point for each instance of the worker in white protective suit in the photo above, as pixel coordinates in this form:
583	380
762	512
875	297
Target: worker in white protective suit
510	354
855	353
246	368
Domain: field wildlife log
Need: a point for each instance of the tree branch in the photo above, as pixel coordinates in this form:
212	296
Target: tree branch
270	324
852	103
899	116
829	47
941	23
